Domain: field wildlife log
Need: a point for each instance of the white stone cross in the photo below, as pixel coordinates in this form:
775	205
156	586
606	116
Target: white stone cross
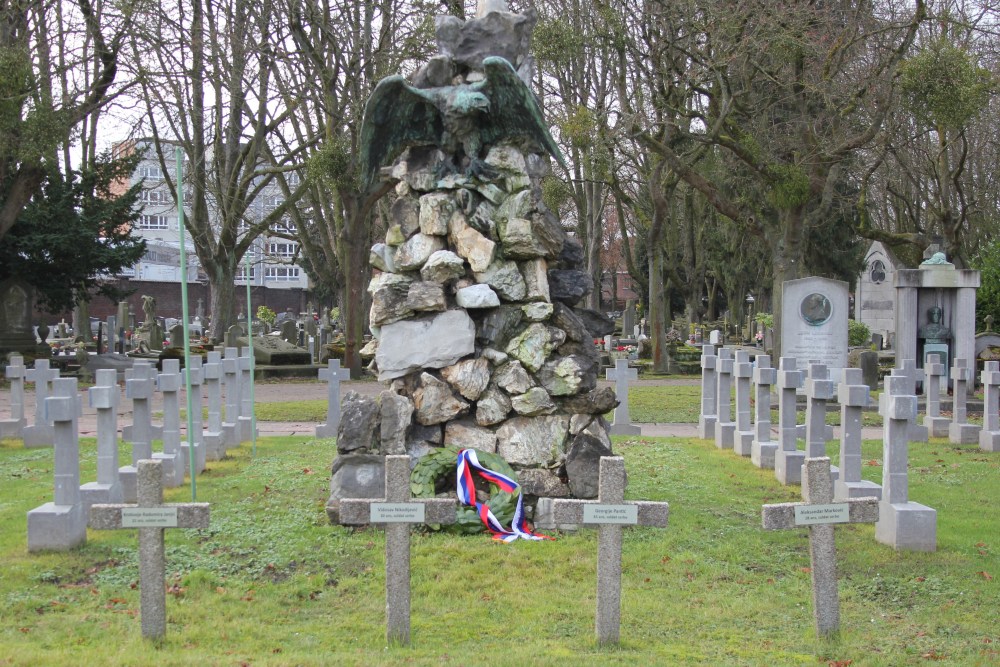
151	516
61	524
820	513
960	431
908	369
397	511
763	448
215	446
788	458
195	370
246	422
902	524
14	427
937	426
989	437
610	513
621	375
743	372
139	388
40	433
169	384
725	427
819	389
708	416
105	397
853	395
333	375
231	375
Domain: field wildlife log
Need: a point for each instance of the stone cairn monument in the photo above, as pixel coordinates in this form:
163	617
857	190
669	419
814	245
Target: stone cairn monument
475	316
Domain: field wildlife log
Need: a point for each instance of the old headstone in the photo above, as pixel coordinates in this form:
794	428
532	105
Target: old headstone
853	397
40	434
814	314
628	318
232	337
14	426
715	337
289	332
725	427
176	336
819	389
610	513
61	525
820	514
105	397
788	458
902	524
709	412
151	516
168	382
934	369
621	374
231	375
743	372
868	363
213	437
960	431
989	437
195	369
139	388
333	375
396	512
763	448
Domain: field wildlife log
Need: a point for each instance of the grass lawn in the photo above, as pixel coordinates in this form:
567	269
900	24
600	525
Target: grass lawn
272	583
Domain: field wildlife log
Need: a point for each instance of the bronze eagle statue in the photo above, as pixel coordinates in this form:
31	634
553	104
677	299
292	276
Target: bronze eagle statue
466	118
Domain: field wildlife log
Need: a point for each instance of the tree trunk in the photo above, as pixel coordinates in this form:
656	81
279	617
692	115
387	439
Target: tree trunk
787	257
355	238
658	333
222	300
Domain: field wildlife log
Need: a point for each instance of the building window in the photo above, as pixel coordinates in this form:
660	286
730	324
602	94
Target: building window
281	273
877	272
153	222
285	227
150	171
285	250
241	273
155	198
273	201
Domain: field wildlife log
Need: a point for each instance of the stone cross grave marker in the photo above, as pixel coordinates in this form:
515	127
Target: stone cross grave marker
151	516
763	448
819	389
139	388
215	446
169	384
231	371
908	369
743	372
196	371
709	413
397	511
142	368
989	437
937	426
61	524
245	419
333	375
960	431
902	524
105	397
621	375
725	427
14	427
788	458
40	433
610	513
853	395
820	514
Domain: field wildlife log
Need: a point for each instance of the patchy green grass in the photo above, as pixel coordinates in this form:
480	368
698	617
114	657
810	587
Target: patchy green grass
272	583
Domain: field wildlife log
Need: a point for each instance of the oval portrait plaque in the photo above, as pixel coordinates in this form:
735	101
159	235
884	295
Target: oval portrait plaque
815	309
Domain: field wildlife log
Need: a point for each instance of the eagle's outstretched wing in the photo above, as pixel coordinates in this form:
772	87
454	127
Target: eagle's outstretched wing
397	116
514	111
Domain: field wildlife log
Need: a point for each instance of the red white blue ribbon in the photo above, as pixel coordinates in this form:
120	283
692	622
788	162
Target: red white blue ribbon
468	463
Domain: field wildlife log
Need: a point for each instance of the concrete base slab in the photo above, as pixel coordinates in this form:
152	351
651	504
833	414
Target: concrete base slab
215	445
155	432
54	527
326	431
743	443
173	469
937	427
624	429
231	434
864	489
918	433
989	441
788	466
706	427
963	434
12	429
199	458
907	526
725	435
95	493
762	454
36	437
245	429
130	483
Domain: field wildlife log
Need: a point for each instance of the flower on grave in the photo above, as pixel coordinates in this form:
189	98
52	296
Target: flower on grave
759	336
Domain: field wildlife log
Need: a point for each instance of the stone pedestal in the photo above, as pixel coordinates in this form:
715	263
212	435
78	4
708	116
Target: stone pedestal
788	459
934	370
709	415
742	372
763	450
725	427
853	397
960	431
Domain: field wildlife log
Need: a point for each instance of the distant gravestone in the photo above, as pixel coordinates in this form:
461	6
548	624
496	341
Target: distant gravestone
621	375
245	420
960	431
763	448
814	314
176	335
742	373
989	437
139	388
333	375
231	375
934	370
169	384
61	525
788	458
709	412
725	427
628	318
289	332
914	376
104	397
16	306
819	513
195	369
715	337
14	426
610	513
151	516
213	437
232	338
853	397
396	512
40	434
868	363
902	524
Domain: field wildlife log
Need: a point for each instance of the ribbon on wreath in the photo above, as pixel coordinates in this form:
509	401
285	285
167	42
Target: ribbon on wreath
468	463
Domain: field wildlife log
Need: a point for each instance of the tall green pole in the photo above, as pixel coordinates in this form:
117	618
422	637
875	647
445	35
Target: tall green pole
253	405
179	159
